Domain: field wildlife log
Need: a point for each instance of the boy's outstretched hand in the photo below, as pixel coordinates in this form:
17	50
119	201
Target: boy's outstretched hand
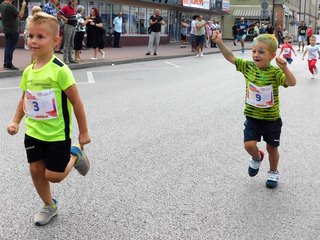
13	128
281	62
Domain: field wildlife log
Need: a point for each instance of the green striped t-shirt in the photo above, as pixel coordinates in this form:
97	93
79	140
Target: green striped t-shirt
254	76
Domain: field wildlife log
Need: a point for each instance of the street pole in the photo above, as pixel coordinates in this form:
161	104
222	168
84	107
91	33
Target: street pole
272	15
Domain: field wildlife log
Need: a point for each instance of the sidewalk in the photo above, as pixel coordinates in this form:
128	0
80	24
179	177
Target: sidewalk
22	58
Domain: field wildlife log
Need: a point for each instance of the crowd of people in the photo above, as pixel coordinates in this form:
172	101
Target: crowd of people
73	25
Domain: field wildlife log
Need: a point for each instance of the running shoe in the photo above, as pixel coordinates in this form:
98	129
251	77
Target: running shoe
46	213
254	165
82	164
272	180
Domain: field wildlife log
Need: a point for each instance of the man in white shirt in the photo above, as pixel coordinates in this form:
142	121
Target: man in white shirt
117	29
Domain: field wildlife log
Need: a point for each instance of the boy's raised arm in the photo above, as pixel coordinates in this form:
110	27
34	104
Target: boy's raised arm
226	52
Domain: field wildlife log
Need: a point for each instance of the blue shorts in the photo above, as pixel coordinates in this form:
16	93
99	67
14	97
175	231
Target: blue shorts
269	130
302	38
289	60
55	155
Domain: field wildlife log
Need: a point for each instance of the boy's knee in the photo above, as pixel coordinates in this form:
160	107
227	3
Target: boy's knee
54	177
250	145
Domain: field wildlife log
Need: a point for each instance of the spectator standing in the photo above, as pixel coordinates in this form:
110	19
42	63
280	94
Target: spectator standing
302	34
50	8
309	34
208	35
279	36
59	47
10	16
242	28
183	33
95	32
80	31
68	15
215	26
262	29
256	30
269	29
192	31
200	35
154	38
117	29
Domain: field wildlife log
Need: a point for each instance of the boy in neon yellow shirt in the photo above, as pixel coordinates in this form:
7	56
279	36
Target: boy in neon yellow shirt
49	96
262	109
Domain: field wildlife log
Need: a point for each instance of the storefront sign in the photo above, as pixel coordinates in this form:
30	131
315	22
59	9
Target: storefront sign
204	4
226	6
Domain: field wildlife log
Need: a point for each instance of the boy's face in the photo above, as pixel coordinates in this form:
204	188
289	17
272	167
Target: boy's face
261	55
313	41
41	39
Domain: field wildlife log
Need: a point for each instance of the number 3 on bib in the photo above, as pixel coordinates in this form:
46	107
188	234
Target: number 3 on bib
40	105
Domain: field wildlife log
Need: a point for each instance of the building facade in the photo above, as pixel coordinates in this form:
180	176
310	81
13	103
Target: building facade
284	13
136	14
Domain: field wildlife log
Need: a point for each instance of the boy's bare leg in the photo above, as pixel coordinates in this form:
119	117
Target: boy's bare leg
273	157
252	148
42	185
56	177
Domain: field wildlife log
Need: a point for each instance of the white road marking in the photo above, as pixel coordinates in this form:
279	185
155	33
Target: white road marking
90	77
9	88
133	69
172	64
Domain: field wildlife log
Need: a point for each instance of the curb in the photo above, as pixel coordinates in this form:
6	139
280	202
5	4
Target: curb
8	74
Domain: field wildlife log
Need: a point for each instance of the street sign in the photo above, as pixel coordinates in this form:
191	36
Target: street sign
264	4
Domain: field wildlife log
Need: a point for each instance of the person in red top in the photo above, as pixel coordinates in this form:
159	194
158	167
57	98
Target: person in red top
309	34
287	49
68	15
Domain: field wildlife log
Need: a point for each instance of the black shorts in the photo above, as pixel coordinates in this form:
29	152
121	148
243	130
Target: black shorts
56	155
200	40
183	37
269	130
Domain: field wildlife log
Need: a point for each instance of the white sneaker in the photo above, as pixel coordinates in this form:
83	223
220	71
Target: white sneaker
201	54
272	180
197	55
312	76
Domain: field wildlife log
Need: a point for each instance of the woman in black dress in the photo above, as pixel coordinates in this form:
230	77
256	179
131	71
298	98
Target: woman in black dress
95	33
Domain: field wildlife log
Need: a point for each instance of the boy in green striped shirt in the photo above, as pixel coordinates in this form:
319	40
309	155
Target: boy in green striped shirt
262	109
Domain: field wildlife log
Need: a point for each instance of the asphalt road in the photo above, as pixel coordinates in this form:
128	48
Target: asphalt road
168	160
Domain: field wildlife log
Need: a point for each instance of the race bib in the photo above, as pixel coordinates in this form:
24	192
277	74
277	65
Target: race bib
261	97
286	51
40	105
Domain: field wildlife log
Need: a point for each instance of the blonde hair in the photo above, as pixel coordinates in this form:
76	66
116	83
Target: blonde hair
36	9
268	39
42	17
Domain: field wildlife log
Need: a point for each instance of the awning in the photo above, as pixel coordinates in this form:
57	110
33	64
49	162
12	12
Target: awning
247	13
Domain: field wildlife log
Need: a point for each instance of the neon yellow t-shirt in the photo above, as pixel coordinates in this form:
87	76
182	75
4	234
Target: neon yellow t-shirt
56	124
